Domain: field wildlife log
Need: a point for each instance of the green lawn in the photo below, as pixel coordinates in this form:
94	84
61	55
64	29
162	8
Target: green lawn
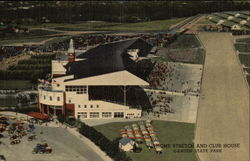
247	69
246	40
15	84
110	26
245	59
242	47
248	79
200	57
32	33
185	41
167	132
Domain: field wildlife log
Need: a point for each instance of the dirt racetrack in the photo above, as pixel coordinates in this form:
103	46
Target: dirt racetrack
223	114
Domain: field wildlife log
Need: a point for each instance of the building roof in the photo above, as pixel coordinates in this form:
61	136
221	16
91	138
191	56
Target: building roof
108	58
119	78
124	141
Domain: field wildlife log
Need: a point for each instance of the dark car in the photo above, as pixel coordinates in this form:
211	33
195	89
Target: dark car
1	136
32	137
4	122
2	158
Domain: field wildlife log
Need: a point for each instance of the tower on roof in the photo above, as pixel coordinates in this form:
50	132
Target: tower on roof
71	52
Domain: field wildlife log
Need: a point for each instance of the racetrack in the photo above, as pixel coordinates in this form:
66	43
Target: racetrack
223	114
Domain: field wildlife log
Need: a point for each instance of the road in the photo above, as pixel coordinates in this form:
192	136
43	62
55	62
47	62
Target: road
223	114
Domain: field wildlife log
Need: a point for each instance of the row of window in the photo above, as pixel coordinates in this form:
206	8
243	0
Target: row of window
97	114
91	106
51	98
77	89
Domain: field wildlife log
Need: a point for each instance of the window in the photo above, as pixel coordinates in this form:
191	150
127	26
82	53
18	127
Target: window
94	114
79	106
97	106
44	97
106	114
118	114
77	89
50	98
85	106
58	98
82	114
91	106
58	85
69	101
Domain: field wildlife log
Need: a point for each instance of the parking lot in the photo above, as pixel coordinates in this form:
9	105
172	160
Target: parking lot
65	146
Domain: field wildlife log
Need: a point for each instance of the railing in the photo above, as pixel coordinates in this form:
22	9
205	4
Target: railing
48	88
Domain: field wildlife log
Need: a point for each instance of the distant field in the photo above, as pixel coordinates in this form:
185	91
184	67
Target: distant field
167	132
15	84
25	40
109	26
32	33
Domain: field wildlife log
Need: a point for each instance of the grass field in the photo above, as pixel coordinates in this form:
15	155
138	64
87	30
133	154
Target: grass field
25	40
247	69
185	41
246	40
110	26
248	79
167	132
245	59
15	84
242	47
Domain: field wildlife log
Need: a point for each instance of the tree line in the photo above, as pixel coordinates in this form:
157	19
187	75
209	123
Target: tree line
117	11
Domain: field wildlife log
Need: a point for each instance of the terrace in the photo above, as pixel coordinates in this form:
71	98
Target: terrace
48	88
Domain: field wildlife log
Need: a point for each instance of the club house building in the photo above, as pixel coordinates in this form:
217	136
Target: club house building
98	83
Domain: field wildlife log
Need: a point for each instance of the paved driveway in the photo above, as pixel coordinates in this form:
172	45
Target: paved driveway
66	147
223	114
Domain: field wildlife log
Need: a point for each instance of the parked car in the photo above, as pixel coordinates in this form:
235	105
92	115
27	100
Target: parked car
13	137
32	137
2	158
15	142
42	148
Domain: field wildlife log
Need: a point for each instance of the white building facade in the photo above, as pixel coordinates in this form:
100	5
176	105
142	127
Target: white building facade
66	95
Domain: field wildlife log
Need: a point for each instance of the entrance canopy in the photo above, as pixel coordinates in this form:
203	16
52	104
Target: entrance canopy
39	116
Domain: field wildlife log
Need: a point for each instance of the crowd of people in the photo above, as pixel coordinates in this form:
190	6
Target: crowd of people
172	77
160	102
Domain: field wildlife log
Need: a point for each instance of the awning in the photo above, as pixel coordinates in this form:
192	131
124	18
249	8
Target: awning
39	116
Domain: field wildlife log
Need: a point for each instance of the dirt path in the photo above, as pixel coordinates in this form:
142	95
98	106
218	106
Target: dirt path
223	114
